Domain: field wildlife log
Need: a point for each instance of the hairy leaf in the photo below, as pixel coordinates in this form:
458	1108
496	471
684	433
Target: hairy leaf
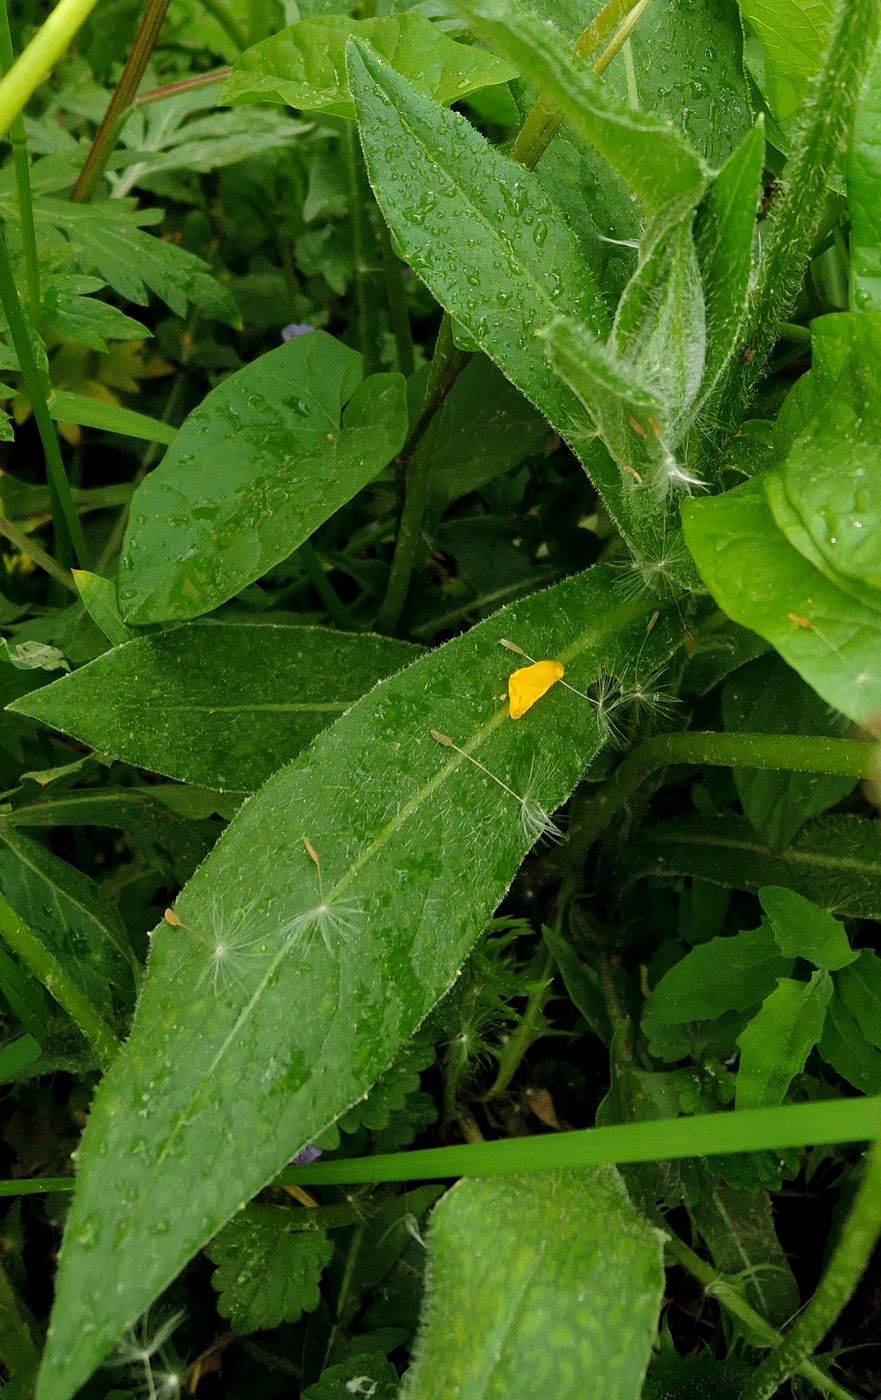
305	65
283	988
227	703
266	457
580	1259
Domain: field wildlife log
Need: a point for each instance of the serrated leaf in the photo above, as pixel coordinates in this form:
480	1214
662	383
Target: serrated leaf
227	703
304	65
775	1045
369	1374
247	1054
72	313
835	861
725	974
265	458
766	698
268	1268
650	155
802	930
859	987
581	1260
850	1053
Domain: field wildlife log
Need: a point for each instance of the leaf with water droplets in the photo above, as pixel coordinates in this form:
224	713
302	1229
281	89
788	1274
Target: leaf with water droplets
225	703
864	195
304	65
266	457
571	1293
286	985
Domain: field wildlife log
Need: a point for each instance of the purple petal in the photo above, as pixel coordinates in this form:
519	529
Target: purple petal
305	1156
296	328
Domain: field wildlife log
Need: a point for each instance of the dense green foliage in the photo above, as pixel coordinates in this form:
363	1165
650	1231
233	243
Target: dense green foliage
355	357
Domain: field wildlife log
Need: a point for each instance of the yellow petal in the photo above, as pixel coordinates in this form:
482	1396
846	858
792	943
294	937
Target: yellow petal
530	683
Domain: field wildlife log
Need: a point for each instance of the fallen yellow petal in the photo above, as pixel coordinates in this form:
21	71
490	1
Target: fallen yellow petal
530	683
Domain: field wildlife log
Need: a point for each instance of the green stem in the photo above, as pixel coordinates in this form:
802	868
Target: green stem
334	605
794	753
50	972
655	1140
120	103
843	1272
528	1029
36	1186
539	128
25	545
68	530
42	53
731	1299
17	1346
366	328
798	213
397	303
219	10
160	94
22	168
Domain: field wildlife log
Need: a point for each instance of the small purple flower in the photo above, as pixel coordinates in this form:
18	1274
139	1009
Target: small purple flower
305	1156
294	329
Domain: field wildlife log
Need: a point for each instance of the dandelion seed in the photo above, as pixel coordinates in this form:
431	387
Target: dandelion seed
334	920
534	819
230	942
142	1346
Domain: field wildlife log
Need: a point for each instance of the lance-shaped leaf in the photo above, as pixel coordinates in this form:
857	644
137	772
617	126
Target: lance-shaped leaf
649	154
581	1262
775	1045
283	988
266	457
226	703
725	974
305	65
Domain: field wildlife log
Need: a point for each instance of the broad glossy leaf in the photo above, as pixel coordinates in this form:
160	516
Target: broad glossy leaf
864	195
650	155
759	580
775	1045
305	65
859	987
286	990
835	861
217	704
65	910
571	1294
803	930
766	698
848	1051
265	458
478	229
725	974
793	35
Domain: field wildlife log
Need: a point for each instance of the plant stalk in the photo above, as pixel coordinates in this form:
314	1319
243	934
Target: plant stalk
397	303
121	102
22	167
850	1258
48	45
25	545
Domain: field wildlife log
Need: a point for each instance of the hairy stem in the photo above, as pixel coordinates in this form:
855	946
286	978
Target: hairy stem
50	972
843	1272
794	753
68	530
120	103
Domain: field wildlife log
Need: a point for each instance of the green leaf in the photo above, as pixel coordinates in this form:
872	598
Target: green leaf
779	1038
759	580
579	1260
99	599
725	974
66	912
581	983
834	861
804	931
724	232
766	698
269	1263
651	156
366	1374
864	195
847	1049
226	703
107	238
738	1227
17	1056
323	973
859	987
478	229
67	407
72	314
793	34
263	460
305	65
